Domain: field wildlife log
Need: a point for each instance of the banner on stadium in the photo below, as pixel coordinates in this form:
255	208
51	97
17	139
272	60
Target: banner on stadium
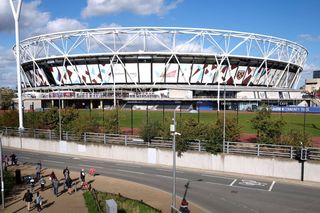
301	109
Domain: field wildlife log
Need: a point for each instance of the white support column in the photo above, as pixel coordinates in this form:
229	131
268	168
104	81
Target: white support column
16	16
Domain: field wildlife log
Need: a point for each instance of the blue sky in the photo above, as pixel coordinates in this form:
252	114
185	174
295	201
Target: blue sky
294	20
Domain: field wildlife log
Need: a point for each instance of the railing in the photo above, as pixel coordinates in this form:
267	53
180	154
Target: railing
267	150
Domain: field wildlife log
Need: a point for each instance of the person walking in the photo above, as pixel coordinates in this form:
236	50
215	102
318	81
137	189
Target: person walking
56	187
28	198
38	202
38	170
13	159
66	174
82	176
52	177
42	182
69	185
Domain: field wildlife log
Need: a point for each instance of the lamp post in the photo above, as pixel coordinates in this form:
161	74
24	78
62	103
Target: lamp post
59	111
16	15
174	133
224	118
1	173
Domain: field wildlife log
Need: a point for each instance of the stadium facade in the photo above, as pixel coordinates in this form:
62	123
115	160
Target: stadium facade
161	66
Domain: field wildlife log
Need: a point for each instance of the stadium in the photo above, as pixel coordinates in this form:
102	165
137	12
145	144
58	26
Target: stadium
151	66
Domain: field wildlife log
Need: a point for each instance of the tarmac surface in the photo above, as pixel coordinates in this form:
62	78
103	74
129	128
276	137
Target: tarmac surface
75	202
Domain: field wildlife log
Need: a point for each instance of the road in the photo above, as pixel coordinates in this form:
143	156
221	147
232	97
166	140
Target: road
217	192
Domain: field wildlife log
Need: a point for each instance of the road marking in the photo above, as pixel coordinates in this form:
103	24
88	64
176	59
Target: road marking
167	170
214	176
141	173
53	161
270	188
76	158
164	176
231	184
90	166
181	178
252	183
118	164
221	184
250	188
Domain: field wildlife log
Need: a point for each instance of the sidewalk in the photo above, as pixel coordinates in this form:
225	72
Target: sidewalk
75	203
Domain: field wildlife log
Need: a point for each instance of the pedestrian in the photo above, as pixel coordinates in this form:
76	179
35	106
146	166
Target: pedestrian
82	176
13	159
52	177
38	202
184	206
56	187
28	198
32	182
69	185
42	182
6	162
66	173
38	170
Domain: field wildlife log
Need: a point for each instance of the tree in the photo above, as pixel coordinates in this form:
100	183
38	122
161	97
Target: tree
268	130
110	124
214	134
83	124
9	118
6	98
150	130
296	138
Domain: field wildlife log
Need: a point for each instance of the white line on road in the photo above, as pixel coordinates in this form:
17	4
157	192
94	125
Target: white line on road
90	166
53	161
168	170
270	188
118	164
164	176
214	176
231	184
140	173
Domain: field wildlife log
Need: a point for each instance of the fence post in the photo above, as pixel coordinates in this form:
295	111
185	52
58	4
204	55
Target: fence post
104	139
85	137
67	136
228	143
199	145
291	152
6	130
49	134
34	133
125	140
258	153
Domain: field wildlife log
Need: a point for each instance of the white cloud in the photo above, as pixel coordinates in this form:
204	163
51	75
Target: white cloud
139	7
31	20
64	24
7	68
310	38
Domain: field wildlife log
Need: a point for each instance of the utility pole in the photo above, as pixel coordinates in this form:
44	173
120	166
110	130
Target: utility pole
224	118
173	132
1	173
16	16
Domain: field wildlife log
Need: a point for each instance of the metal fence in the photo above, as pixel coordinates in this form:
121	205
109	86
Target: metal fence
266	150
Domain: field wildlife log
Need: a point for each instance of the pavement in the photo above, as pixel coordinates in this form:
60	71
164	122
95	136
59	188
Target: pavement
75	202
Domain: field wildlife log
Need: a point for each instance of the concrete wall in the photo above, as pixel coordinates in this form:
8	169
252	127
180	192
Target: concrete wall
262	166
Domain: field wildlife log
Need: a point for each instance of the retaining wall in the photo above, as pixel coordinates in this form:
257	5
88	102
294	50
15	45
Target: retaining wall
262	166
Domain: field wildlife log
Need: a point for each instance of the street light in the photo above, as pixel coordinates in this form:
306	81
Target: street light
224	117
1	173
174	133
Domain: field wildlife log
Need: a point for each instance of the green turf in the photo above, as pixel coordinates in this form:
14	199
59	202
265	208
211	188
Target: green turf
293	121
